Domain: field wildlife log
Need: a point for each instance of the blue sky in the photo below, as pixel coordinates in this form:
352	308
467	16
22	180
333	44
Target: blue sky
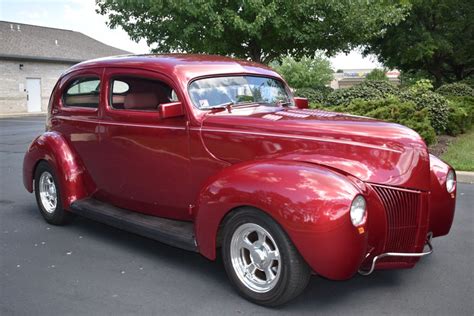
79	15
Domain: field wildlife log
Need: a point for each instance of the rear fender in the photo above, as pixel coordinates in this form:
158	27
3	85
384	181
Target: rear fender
311	203
54	149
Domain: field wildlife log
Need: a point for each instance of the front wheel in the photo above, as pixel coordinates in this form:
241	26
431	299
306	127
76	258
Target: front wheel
260	260
48	195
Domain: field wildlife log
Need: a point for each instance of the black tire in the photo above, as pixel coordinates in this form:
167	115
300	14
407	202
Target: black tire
294	274
58	216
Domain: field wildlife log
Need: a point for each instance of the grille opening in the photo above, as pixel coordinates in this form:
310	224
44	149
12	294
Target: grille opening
403	210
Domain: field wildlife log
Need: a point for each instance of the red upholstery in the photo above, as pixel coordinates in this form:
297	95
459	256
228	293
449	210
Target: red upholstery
141	101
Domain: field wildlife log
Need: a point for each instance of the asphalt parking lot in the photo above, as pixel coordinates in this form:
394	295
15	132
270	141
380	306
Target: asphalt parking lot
90	268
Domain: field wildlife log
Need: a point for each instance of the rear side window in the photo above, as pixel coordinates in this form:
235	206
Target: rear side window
142	94
82	92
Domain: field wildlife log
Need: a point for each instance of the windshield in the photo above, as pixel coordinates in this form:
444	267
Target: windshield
237	90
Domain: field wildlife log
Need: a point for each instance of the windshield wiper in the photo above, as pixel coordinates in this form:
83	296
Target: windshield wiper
216	108
287	103
230	105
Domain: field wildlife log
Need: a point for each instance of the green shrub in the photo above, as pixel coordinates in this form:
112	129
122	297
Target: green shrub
317	95
367	90
324	90
384	87
316	105
311	94
420	94
409	78
421	86
346	96
461	115
469	81
393	110
456	89
457	123
376	74
436	104
307	72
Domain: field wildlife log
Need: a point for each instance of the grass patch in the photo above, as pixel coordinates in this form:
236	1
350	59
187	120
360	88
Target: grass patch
460	153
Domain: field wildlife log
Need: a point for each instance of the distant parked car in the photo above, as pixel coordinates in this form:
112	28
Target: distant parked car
207	152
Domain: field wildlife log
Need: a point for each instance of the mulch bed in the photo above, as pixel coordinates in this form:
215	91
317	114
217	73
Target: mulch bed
442	145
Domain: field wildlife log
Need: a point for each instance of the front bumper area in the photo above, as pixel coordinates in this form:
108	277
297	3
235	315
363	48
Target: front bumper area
397	254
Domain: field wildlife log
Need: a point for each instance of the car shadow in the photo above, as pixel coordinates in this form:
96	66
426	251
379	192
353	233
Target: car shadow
321	293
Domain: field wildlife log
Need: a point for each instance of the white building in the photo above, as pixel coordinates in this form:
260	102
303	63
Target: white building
350	77
32	59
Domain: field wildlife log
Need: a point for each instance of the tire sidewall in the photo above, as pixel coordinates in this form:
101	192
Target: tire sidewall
248	216
57	214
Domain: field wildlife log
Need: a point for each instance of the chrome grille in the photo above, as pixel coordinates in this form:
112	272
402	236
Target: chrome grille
403	209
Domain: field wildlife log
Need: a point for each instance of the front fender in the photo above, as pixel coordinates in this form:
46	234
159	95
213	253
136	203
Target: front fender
53	148
442	204
310	202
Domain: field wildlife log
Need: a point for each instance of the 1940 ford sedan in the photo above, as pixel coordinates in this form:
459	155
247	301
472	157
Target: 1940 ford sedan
207	153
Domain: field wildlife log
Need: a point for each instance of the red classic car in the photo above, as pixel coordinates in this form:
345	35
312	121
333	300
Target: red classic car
207	152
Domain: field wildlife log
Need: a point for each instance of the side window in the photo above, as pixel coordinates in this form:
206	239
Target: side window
82	92
142	94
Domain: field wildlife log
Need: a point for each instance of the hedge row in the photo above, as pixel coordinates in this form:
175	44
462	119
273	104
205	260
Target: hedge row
449	110
393	109
456	90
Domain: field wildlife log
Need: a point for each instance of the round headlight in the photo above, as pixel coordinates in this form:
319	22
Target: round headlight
450	181
358	211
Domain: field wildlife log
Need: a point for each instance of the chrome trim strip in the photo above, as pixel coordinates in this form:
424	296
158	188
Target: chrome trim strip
398	254
126	124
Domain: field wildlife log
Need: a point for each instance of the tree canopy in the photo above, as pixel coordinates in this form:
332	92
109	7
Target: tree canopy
437	37
376	75
306	72
260	30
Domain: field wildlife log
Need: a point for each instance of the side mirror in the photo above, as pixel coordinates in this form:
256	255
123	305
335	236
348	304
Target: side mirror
301	103
172	109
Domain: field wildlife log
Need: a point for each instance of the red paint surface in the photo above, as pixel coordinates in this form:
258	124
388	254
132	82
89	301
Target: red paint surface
303	169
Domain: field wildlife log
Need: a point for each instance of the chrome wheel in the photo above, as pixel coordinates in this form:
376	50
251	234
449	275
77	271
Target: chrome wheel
47	192
255	257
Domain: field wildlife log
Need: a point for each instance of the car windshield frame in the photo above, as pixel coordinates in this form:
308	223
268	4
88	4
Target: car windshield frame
235	103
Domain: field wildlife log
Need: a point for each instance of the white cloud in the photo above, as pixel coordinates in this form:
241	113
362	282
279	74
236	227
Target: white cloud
76	15
354	60
81	16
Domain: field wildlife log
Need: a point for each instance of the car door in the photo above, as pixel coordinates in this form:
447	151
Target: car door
76	115
145	159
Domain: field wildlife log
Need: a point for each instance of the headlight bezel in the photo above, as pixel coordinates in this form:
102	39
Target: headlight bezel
450	181
358	211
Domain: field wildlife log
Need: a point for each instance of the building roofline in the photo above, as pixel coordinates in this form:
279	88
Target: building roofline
66	30
39	58
46	27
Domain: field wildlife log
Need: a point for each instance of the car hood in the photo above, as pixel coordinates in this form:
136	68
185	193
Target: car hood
371	150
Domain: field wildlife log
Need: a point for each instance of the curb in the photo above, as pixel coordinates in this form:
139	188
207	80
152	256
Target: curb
465	177
13	115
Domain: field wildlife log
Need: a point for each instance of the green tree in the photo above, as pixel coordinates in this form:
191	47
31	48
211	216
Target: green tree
260	30
436	37
306	72
377	74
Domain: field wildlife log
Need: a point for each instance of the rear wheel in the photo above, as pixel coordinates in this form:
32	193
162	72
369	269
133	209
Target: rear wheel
48	195
260	260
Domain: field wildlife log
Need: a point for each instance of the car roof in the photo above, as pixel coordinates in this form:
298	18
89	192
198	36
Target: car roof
183	66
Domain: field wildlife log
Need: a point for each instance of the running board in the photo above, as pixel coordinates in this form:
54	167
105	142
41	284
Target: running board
171	232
